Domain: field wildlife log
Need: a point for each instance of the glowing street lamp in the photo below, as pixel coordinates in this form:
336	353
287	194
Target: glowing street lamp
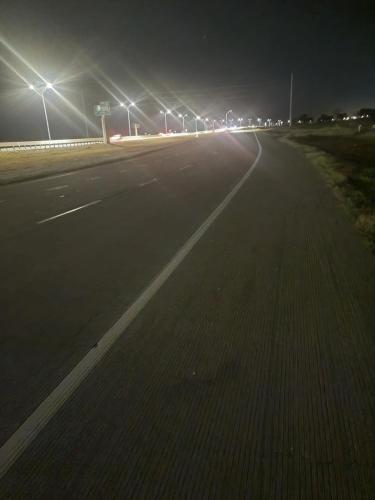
259	120
165	113
240	121
226	117
183	121
41	93
196	124
128	109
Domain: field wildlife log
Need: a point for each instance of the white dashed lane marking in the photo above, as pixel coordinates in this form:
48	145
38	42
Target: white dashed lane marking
56	188
185	167
69	212
60	175
148	182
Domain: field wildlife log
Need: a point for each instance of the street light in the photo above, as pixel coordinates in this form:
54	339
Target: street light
196	124
240	120
226	117
165	113
183	121
128	109
259	120
206	120
41	93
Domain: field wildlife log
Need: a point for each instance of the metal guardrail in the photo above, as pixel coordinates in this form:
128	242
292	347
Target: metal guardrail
60	143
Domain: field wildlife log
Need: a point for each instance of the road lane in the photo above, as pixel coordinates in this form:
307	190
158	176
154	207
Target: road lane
17	444
249	375
65	282
29	201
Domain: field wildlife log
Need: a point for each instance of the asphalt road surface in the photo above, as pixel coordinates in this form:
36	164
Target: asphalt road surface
247	372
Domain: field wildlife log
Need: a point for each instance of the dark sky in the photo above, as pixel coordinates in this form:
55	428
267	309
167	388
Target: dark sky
210	55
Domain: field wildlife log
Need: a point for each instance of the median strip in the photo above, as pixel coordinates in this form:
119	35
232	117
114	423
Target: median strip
69	212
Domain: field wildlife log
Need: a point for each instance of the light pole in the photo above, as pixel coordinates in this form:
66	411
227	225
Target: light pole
213	124
183	121
84	112
205	123
196	124
240	121
128	110
249	120
226	117
165	113
47	86
291	100
259	120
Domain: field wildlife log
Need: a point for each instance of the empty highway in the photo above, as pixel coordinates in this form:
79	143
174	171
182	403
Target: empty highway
194	323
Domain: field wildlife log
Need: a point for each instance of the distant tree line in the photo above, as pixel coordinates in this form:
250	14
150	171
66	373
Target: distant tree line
364	113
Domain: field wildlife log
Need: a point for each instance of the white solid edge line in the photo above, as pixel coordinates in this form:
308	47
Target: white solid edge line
69	212
35	423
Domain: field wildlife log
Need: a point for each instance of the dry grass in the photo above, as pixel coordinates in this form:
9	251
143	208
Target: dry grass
347	159
35	163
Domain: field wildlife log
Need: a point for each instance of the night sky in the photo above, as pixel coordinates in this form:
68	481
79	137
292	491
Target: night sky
203	57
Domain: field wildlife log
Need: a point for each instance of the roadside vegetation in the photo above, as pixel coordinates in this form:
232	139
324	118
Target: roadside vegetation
345	151
21	165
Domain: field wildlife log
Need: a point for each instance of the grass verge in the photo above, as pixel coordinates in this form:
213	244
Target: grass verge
348	162
23	165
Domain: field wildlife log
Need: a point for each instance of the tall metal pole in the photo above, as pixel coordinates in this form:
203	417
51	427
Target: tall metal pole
45	114
291	99
196	125
130	129
165	120
84	112
183	123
